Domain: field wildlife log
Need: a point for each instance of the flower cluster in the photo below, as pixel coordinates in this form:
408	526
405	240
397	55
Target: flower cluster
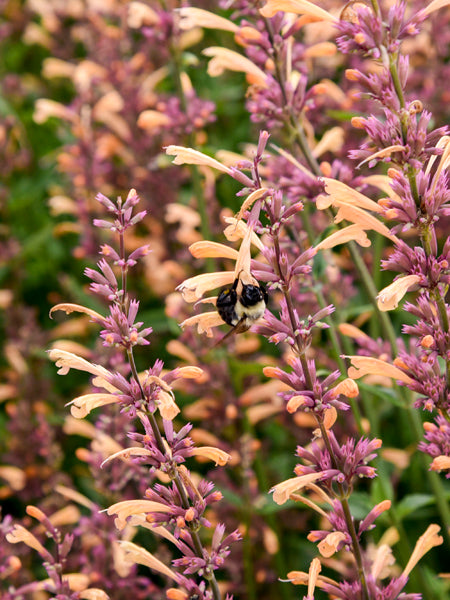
176	512
342	213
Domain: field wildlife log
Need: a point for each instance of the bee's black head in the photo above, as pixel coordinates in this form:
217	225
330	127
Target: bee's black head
252	294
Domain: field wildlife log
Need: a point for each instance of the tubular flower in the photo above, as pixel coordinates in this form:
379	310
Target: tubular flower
223	59
365	365
298	7
389	298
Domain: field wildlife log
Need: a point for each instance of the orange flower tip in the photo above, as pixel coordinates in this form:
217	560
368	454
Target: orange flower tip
330	544
14	563
189	514
358	122
181	523
394	173
83	454
399	363
383	506
36	513
313	537
429	426
330	418
427	341
391	213
360	38
246	35
429	405
300	470
440	463
348	388
271	372
319	89
174	594
294	403
216	496
352	75
325	168
297	577
190	372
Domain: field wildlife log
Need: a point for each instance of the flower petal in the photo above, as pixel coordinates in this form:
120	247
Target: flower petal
220	457
366	365
344	235
204	322
189	156
193	288
391	295
223	59
298	7
283	490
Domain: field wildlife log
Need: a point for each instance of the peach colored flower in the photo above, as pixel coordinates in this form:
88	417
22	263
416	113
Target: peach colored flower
82	405
440	463
66	361
366	365
137	555
152	120
220	457
298	7
167	406
351	232
20	534
197	17
45	109
352	331
347	388
283	490
126	508
55	67
330	544
140	14
435	5
236	230
428	540
338	193
125	453
15	477
391	295
383	153
223	59
364	219
77	582
204	321
189	156
249	201
93	594
333	139
207	249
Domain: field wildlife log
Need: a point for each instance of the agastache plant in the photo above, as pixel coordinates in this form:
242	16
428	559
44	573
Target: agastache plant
335	463
326	464
174	510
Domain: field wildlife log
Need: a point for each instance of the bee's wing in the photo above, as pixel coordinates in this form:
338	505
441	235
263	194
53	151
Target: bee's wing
240	327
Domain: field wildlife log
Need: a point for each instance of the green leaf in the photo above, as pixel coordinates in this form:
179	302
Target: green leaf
413	502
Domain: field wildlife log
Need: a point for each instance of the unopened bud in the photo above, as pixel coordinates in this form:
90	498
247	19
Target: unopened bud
427	341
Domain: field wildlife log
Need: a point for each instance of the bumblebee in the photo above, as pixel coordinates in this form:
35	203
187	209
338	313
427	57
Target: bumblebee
241	310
